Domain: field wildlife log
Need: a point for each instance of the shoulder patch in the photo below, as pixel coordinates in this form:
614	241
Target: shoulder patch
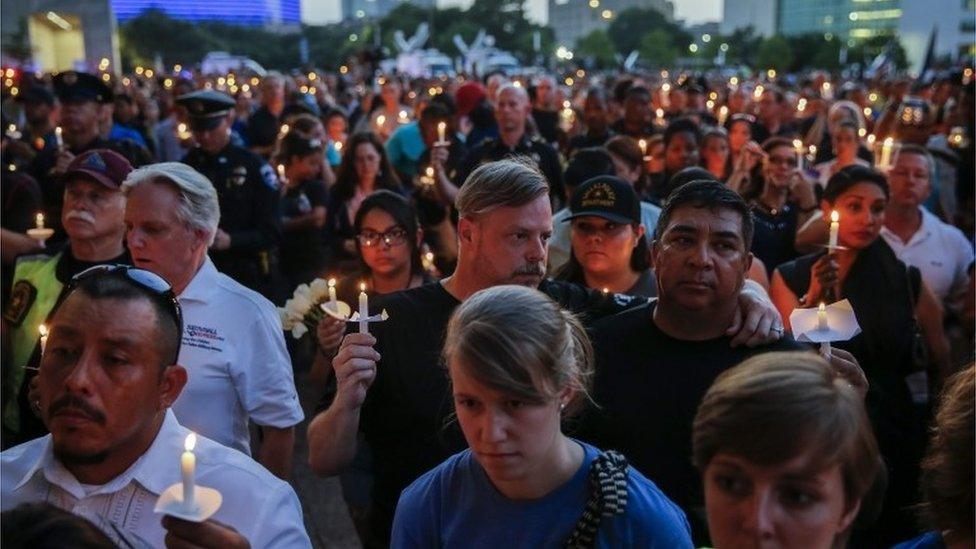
268	176
22	296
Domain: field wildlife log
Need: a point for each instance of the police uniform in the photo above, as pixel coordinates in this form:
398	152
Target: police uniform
247	189
39	281
531	147
71	86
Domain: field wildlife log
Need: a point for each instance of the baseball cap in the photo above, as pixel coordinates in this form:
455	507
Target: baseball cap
606	196
468	96
102	165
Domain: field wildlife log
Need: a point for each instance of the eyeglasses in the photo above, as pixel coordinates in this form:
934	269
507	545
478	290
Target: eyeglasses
393	237
154	284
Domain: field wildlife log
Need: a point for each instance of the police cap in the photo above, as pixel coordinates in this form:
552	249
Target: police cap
206	108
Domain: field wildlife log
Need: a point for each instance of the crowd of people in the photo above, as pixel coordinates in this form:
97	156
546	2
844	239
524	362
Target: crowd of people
586	283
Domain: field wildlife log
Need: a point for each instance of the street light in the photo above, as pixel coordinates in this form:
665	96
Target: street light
693	48
706	38
607	14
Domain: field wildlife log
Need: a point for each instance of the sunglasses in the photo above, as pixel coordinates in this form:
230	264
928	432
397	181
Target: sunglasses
149	281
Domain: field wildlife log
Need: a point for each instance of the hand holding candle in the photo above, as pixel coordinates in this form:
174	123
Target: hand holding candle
42	329
441	133
886	149
281	174
363	309
642	143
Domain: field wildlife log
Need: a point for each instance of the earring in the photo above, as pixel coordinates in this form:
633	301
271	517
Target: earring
562	406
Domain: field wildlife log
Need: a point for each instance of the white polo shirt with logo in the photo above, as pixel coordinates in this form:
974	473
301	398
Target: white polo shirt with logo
940	251
237	364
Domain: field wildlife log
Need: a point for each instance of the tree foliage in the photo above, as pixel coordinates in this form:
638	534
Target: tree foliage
597	46
630	25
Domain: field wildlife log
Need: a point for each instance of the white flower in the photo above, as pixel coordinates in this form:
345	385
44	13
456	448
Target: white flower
299	330
302	291
298	306
286	321
318	290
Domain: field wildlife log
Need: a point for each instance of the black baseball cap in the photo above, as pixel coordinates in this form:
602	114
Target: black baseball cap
206	108
76	87
606	196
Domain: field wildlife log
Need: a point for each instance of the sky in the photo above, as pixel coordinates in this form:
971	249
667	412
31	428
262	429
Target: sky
319	12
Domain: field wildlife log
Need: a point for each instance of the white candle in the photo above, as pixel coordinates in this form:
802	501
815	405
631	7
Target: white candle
42	329
834	230
380	121
441	131
870	144
659	114
182	131
822	317
723	113
889	143
642	143
188	465
332	294
798	145
281	174
39	220
363	309
58	140
338	146
403	117
666	94
801	105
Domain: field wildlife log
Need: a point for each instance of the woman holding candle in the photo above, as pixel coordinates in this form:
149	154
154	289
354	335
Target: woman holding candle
302	208
898	316
519	365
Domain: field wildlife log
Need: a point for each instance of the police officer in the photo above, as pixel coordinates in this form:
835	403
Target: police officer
86	101
245	246
93	220
511	113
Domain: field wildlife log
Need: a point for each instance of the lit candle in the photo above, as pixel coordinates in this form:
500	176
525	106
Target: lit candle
42	329
283	131
363	309
666	94
332	294
886	148
281	174
798	145
822	317
39	220
606	291
441	131
403	117
188	465
659	114
870	144
58	140
801	105
642	143
825	91
812	153
723	113
338	146
381	121
834	230
182	131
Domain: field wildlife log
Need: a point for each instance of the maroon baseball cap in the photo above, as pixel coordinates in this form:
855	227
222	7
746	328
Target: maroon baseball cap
468	96
102	165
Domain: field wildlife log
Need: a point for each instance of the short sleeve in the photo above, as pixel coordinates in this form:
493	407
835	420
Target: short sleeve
280	523
654	520
413	523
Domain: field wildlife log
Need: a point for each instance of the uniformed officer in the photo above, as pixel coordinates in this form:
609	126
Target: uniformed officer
245	246
93	220
85	102
511	113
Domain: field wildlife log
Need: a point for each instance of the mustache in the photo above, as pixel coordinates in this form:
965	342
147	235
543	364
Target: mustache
80	214
72	401
535	269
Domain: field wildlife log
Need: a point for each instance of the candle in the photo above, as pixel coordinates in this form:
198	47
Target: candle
281	174
889	143
642	143
798	145
332	294
58	140
822	317
659	117
403	117
666	94
181	130
834	230
606	291
188	465
381	121
801	105
283	131
39	220
42	329
825	91
723	113
363	309
441	131
338	146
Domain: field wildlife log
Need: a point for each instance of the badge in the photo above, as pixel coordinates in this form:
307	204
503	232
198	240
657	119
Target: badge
238	176
22	296
600	194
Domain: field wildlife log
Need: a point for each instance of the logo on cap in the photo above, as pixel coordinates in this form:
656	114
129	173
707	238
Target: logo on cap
95	162
600	194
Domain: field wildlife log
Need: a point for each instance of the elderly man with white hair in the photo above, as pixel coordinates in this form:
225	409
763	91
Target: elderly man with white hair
233	348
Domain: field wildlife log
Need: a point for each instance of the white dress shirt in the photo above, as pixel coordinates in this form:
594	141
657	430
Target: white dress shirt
261	507
236	361
941	253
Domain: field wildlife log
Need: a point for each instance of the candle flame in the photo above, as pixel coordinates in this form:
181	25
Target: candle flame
798	144
380	120
43	330
659	113
57	131
834	216
889	141
362	286
39	220
430	171
822	308
191	442
332	282
441	126
643	145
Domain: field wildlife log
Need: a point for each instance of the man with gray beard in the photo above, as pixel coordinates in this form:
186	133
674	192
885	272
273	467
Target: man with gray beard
92	217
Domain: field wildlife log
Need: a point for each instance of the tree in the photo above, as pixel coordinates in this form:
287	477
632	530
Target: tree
774	53
597	46
630	25
657	48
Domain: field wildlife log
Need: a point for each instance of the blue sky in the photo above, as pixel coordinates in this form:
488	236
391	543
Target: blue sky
694	11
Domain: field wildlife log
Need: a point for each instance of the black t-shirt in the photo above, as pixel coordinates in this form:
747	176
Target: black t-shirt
301	249
648	386
262	128
774	240
547	122
406	417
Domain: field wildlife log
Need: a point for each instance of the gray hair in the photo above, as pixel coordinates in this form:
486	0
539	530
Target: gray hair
510	86
199	207
918	150
511	182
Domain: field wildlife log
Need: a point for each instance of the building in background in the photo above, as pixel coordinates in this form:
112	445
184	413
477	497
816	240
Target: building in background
375	9
573	19
237	12
758	14
62	34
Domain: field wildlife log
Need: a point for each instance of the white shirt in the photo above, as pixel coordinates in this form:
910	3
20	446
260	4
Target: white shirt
261	507
941	253
236	361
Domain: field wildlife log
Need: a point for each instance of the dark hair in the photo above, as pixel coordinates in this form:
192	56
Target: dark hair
586	164
111	286
777	93
44	526
620	89
706	193
346	179
434	111
636	91
296	144
335	111
445	101
847	177
596	92
403	214
681	125
775	142
640	261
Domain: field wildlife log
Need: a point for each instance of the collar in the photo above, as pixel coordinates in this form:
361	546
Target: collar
202	284
155	470
929	221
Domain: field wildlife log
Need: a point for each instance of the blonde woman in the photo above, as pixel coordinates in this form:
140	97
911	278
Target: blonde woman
519	365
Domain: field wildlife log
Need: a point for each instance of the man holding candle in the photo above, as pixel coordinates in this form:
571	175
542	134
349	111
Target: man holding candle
93	219
245	246
503	232
105	386
233	346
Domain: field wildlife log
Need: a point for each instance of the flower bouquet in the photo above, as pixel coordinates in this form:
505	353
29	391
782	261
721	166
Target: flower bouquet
308	304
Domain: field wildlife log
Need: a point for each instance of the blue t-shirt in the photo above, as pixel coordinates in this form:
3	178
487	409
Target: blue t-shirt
928	540
456	505
404	148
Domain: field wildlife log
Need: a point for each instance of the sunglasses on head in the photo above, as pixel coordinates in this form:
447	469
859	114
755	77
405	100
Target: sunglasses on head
149	281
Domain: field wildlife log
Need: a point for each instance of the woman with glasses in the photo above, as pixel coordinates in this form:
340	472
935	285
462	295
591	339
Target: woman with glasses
783	201
365	168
